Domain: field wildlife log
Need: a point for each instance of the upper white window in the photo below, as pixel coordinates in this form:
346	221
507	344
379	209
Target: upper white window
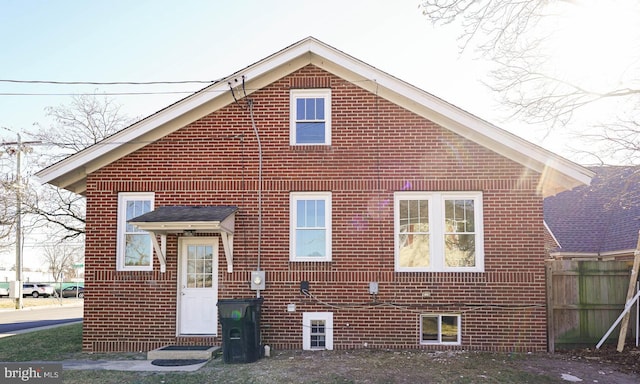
310	223
134	245
438	231
310	117
317	331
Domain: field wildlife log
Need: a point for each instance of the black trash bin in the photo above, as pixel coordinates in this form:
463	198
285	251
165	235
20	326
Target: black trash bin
240	319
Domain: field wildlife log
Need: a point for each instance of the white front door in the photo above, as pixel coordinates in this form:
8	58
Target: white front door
198	287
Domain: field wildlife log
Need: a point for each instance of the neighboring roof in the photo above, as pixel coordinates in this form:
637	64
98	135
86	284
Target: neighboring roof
600	219
558	173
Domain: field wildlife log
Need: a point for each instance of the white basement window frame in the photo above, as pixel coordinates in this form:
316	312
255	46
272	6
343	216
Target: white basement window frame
130	205
317	331
310	117
444	329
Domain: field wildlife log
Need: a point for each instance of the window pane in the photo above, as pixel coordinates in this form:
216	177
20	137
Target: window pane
459	215
414	250
137	250
430	328
310	213
311	242
300	109
320	213
460	250
300	213
414	216
310	109
319	109
449	329
310	133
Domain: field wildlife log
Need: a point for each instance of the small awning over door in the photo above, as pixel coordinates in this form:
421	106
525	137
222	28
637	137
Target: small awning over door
189	220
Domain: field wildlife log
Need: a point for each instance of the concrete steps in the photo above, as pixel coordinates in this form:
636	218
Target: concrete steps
183	352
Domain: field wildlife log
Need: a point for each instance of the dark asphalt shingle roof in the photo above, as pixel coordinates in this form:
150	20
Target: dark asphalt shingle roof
601	217
169	214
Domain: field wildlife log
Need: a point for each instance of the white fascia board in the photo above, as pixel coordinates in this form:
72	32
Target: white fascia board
449	116
312	51
179	226
551	233
80	164
592	255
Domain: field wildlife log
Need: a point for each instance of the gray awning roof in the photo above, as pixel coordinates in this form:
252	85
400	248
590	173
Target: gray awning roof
186	214
189	219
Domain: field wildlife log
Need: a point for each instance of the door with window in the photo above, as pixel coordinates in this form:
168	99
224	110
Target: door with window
198	287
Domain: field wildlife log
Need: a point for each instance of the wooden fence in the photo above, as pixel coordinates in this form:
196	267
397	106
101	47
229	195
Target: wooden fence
584	298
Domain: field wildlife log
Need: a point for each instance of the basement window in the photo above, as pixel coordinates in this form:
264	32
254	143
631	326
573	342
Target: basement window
317	331
440	329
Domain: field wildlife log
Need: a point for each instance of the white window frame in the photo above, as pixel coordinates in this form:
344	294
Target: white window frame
293	209
437	231
123	198
307	318
296	94
439	317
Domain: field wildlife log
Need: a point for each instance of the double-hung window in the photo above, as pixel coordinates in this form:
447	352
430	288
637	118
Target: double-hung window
310	117
438	231
310	226
134	252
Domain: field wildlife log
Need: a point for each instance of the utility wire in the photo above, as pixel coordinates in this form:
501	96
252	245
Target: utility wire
55	82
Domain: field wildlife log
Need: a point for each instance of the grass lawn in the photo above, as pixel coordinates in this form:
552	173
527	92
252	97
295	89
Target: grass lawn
359	366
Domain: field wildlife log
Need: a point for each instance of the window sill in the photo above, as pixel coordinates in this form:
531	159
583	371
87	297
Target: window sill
311	148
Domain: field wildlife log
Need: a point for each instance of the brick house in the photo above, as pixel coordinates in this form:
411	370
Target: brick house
373	213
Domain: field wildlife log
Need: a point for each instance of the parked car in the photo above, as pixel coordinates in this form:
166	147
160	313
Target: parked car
4	292
71	291
36	289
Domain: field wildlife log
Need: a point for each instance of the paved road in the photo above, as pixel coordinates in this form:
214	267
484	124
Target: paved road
12	321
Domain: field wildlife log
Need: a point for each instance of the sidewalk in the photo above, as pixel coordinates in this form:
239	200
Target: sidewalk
128	365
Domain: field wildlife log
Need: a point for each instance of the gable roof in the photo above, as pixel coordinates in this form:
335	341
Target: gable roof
558	173
599	219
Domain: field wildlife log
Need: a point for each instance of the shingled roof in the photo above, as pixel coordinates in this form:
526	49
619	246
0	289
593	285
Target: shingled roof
602	219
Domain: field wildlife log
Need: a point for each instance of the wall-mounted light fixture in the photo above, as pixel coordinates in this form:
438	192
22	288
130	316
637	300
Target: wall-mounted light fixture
188	232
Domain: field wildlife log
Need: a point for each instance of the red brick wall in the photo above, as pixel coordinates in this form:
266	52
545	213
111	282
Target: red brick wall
377	148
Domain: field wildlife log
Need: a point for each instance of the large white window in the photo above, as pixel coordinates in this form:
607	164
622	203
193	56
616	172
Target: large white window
134	245
438	231
440	329
310	117
317	331
310	223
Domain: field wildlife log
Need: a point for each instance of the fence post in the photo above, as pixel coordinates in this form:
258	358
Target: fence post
550	305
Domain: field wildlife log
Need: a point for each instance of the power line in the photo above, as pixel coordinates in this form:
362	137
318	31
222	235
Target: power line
55	82
94	93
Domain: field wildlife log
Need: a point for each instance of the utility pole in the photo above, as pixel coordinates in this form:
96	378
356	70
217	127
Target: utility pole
20	147
19	223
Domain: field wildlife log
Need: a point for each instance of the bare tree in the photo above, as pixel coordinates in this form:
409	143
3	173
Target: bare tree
60	259
85	121
519	37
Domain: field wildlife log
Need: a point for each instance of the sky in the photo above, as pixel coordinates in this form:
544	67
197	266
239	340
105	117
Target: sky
104	41
159	40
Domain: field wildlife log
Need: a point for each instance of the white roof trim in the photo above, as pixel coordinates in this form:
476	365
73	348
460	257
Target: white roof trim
559	173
